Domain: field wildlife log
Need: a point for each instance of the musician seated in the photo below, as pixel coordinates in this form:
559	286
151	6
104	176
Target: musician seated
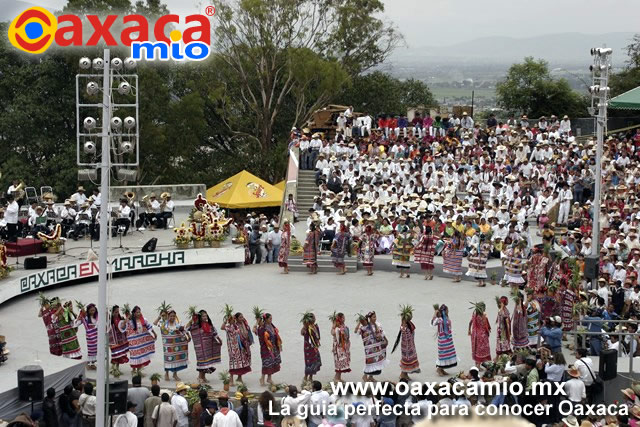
151	216
84	222
37	222
167	209
79	197
51	214
97	198
68	217
124	220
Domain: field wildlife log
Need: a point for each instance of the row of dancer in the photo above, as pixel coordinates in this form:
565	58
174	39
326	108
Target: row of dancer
132	340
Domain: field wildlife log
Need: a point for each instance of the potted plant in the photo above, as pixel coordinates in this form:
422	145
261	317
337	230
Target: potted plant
226	379
198	242
216	240
296	247
155	378
183	237
494	277
52	246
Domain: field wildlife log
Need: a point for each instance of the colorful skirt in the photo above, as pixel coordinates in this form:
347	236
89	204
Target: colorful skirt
119	347
520	334
141	348
409	361
312	361
92	342
533	318
176	351
69	341
53	335
341	358
208	351
453	262
477	267
447	357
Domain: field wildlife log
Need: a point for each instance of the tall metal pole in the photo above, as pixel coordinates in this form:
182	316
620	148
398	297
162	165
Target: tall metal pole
105	167
598	181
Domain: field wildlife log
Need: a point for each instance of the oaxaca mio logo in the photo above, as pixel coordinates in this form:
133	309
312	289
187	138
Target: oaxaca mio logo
36	29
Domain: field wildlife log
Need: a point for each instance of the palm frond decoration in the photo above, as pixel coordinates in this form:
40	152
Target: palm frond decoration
436	307
553	286
79	305
42	299
333	317
498	301
126	309
257	312
406	312
192	310
361	318
523	353
163	308
227	311
307	317
502	361
478	307
516	295
580	307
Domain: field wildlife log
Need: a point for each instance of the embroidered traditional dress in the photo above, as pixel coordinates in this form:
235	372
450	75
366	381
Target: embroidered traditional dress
520	333
270	347
312	361
118	342
141	343
340	248
409	360
285	247
311	249
568	298
513	267
68	335
447	357
175	346
548	306
533	322
208	346
452	255
537	271
480	349
424	252
402	251
375	348
52	332
341	349
503	341
367	249
91	328
478	262
239	340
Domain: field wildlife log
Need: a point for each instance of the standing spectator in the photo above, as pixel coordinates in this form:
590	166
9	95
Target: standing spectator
245	413
49	408
68	408
11	217
291	206
584	365
129	418
138	395
226	417
254	244
150	405
206	418
181	406
87	404
305	158
319	401
574	388
199	407
314	149
273	242
264	246
552	334
164	415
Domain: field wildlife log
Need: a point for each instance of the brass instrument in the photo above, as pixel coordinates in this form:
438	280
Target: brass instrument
18	193
164	196
130	196
146	205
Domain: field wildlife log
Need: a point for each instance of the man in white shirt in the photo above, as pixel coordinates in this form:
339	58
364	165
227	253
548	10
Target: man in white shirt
226	417
87	403
304	153
128	419
164	415
584	364
181	406
274	239
314	150
124	219
565	125
575	388
466	122
79	196
565	198
167	209
11	216
319	402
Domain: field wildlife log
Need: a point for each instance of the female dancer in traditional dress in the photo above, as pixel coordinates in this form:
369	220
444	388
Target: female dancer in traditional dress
52	328
311	333
402	247
424	252
270	347
340	246
118	342
285	246
312	248
537	270
175	343
520	333
568	298
206	342
478	261
503	320
341	346
65	319
141	337
533	318
368	247
409	361
89	319
514	264
375	345
479	330
447	357
239	341
452	257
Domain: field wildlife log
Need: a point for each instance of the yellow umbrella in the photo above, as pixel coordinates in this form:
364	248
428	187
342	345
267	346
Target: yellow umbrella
244	191
281	185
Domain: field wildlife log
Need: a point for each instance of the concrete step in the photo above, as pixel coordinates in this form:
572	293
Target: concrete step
325	265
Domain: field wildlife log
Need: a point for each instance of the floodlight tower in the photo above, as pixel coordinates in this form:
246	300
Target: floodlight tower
117	138
599	90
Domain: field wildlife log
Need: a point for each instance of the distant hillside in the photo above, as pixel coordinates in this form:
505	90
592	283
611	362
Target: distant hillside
9	9
563	48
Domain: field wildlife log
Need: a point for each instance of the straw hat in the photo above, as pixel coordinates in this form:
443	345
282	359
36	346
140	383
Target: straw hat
574	372
181	386
570	421
629	393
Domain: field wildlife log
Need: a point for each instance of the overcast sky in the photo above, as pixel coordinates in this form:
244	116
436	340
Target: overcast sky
429	22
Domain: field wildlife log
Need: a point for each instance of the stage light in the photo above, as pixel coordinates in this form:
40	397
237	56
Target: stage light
87	175
127	174
98	64
89	147
85	63
116	123
129	122
124	88
116	63
126	146
89	123
92	88
129	63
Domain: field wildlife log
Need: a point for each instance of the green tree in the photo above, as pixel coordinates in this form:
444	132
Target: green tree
529	89
629	77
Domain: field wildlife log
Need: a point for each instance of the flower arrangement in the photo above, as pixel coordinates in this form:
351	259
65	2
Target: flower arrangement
296	247
239	239
183	235
198	230
4	268
52	241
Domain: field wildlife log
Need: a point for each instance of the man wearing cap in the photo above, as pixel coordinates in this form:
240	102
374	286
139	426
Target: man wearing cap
575	389
180	404
79	197
552	334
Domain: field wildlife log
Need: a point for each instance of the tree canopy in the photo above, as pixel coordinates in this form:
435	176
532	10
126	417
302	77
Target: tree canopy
629	77
529	88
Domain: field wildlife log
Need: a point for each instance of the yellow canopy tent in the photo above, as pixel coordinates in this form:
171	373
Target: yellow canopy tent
244	191
281	185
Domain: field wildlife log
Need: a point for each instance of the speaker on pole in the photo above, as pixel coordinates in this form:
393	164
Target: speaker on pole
150	246
591	267
31	383
118	397
608	369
